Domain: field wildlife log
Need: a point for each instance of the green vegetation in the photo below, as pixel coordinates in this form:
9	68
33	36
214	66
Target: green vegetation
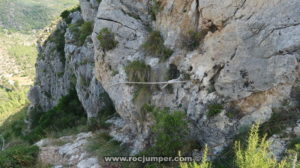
204	163
24	56
233	111
67	115
138	71
295	144
58	37
11	101
191	39
256	153
154	9
154	46
12	128
66	13
81	30
214	109
86	29
19	156
20	22
107	39
170	130
107	112
27	15
281	119
103	145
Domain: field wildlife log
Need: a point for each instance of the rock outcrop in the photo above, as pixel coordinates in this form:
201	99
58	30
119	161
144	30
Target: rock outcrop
67	151
248	59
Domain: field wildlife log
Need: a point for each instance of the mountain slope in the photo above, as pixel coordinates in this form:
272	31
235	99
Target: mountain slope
27	15
20	23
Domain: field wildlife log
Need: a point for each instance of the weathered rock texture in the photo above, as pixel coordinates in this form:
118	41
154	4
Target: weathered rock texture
70	67
67	151
248	59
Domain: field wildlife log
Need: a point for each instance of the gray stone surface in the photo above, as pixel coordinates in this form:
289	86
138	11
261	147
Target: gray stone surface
71	153
249	58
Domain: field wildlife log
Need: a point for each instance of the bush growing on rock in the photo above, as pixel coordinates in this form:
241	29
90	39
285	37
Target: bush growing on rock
80	31
283	117
68	113
154	46
191	39
85	30
58	37
256	153
138	71
154	9
214	109
66	14
19	156
107	39
170	131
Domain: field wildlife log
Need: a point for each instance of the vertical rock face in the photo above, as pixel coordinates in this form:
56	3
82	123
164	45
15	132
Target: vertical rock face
248	58
63	65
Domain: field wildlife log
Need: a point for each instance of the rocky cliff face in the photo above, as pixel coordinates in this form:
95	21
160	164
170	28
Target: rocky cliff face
247	59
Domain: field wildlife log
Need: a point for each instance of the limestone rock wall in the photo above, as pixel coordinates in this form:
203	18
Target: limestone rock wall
248	59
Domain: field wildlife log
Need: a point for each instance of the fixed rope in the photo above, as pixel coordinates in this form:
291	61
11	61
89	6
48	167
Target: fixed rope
174	81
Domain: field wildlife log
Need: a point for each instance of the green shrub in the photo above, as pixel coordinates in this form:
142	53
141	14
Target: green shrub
214	109
294	143
58	37
12	128
138	71
85	30
107	39
283	117
170	131
66	14
20	156
81	30
256	153
75	8
233	111
11	101
68	113
75	29
154	46
154	9
191	39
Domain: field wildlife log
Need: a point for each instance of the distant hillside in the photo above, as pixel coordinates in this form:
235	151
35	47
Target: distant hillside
20	22
26	15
